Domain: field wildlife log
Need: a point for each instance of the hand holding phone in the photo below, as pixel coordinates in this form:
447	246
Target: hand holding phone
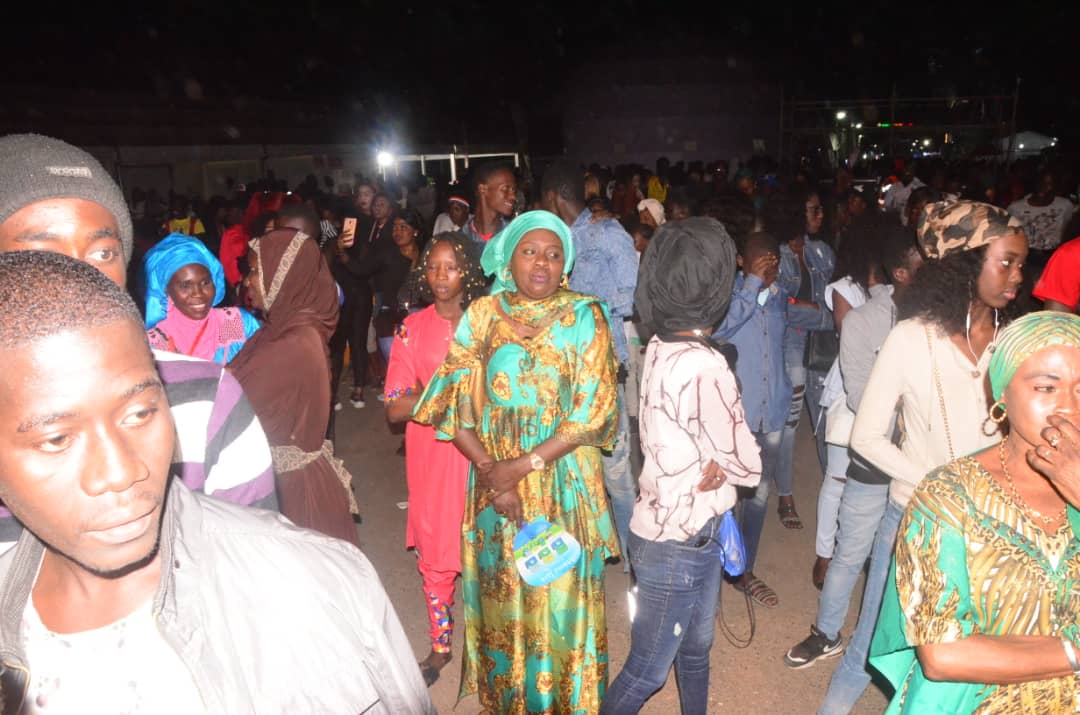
348	233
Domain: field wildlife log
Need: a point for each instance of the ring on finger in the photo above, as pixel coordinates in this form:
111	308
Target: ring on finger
1054	440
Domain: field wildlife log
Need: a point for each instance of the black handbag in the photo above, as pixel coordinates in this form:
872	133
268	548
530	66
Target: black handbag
822	348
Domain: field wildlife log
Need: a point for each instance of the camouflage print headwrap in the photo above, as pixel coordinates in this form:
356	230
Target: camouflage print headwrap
948	227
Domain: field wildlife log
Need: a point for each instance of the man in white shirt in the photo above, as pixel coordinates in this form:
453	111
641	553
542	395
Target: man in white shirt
456	215
896	196
1044	214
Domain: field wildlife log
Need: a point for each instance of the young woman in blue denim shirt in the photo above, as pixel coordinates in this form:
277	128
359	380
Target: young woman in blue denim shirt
806	267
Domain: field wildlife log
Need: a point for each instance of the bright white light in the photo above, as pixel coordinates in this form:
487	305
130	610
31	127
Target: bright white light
926	142
1053	142
1021	146
841	115
384	159
859	125
864	157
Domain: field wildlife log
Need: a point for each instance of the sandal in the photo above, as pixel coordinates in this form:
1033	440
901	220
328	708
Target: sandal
789	517
760	592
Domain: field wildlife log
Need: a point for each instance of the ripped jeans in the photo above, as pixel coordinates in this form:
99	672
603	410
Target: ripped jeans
678	587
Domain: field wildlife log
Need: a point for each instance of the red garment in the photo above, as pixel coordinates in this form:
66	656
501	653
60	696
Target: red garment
435	471
234	246
1061	279
264	201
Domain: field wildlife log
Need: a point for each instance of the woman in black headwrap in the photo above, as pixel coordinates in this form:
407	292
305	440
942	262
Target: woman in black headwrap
697	448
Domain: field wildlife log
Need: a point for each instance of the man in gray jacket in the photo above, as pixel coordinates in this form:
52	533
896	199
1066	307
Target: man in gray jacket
127	592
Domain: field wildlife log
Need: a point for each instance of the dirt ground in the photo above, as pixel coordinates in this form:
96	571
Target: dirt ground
751	680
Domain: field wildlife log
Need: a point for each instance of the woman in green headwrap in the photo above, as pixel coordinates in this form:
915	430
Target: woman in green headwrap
982	608
527	392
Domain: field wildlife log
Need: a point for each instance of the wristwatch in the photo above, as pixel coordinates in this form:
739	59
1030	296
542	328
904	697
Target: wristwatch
536	461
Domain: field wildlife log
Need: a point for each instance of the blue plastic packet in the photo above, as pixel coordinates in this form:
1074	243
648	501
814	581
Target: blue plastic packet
544	551
732	548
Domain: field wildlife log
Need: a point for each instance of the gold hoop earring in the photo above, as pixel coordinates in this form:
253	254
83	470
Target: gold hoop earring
999	418
565	282
507	274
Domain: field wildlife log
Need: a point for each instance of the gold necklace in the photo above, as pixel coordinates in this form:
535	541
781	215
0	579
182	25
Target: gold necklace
1016	495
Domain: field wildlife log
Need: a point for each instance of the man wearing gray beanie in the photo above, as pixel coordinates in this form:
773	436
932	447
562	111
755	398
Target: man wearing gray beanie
56	197
44	175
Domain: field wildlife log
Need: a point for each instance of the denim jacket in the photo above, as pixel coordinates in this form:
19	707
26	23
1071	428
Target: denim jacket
820	262
758	333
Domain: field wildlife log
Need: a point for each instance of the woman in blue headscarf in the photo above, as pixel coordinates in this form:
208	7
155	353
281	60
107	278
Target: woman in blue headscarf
527	392
184	281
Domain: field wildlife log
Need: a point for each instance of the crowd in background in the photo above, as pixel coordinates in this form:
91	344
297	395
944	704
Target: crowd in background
596	366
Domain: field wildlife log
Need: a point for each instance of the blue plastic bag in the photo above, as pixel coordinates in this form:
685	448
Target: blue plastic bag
544	551
732	548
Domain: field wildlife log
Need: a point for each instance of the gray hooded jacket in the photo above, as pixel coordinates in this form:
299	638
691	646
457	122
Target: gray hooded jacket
267	617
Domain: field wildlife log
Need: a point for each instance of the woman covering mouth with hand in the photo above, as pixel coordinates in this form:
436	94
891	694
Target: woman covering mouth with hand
184	281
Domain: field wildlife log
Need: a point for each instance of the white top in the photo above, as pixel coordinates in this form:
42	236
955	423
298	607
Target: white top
855	296
897	195
125	667
1043	225
904	373
443	224
691	413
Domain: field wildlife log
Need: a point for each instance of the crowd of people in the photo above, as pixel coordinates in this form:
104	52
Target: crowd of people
599	367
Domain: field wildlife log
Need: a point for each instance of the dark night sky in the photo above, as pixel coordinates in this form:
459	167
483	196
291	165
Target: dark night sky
452	62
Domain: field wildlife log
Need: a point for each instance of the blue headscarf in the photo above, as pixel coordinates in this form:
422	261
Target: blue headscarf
497	252
163	261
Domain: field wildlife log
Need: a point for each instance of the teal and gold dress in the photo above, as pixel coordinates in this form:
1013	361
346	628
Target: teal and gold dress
969	561
543	649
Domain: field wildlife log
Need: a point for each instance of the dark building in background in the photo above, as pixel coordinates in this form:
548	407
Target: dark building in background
684	109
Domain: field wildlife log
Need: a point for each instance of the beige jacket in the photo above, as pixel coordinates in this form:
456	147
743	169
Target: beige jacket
904	373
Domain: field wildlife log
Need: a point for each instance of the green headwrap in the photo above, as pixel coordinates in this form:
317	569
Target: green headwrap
1025	337
496	258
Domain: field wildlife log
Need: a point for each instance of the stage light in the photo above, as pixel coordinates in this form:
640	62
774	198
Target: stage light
384	159
841	115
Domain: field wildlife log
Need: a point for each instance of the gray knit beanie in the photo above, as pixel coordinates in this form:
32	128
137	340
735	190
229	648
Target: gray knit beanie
33	168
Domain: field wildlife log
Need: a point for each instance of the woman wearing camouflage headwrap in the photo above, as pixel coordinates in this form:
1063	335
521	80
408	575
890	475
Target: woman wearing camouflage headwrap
934	365
982	613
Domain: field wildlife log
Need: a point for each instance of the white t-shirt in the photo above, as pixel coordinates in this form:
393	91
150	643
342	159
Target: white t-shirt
443	224
124	667
855	296
1043	225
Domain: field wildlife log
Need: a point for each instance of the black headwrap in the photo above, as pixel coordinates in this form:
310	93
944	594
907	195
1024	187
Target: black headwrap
686	276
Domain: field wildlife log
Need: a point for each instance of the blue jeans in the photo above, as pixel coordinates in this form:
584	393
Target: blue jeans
619	479
678	588
806	386
851	678
751	509
861	509
828	503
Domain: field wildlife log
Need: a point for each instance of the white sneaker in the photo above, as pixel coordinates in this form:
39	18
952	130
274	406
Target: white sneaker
337	406
380	397
358	404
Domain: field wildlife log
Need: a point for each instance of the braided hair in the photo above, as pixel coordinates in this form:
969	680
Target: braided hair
474	285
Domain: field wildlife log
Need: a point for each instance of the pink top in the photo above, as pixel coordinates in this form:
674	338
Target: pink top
691	412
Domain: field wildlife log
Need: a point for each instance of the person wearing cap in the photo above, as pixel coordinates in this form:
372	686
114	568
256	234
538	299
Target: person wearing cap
934	365
697	449
454	218
528	393
651	213
981	612
56	197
